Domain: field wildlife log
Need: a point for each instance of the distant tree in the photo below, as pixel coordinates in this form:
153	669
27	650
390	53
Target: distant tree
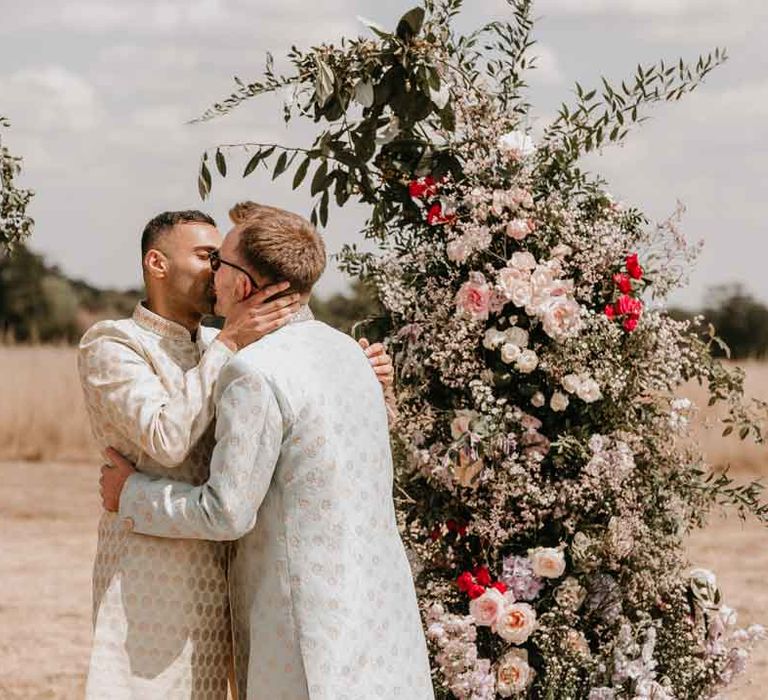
739	319
38	303
344	312
15	225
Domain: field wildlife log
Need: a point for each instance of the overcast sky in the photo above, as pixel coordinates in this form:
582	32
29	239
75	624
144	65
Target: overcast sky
99	91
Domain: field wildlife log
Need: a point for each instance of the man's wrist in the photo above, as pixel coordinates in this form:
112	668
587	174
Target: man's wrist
228	340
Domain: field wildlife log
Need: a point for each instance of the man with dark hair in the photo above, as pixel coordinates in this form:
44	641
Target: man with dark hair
164	223
161	607
322	596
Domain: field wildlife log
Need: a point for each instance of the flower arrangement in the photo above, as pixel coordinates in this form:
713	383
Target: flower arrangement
544	476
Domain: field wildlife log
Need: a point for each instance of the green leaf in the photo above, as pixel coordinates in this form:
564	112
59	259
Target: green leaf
410	24
340	191
301	172
318	181
221	163
204	180
324	209
364	93
280	166
324	82
201	188
257	158
206	175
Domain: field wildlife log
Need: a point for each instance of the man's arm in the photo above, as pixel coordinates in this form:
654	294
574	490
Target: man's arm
249	434
119	382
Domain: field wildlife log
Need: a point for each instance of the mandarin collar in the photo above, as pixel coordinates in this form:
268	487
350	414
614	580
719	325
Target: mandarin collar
303	314
164	327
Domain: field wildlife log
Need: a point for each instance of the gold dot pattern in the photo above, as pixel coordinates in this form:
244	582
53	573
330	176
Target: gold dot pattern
160	606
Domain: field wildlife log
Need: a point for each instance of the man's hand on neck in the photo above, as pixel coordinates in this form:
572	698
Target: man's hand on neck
253	318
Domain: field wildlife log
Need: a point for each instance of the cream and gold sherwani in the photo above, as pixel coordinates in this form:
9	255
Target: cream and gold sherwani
160	607
324	606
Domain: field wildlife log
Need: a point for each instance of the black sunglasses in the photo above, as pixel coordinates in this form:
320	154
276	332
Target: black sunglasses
216	262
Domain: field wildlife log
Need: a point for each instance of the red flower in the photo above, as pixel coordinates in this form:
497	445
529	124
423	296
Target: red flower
475	591
630	324
435	534
629	306
500	586
424	187
483	576
610	312
623	282
465	581
435	215
633	267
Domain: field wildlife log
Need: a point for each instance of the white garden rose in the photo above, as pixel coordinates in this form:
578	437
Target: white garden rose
520	294
517	336
518	229
486	609
558	402
589	390
510	353
571	383
492	338
538	399
513	674
460	424
510	279
547	562
516	144
522	260
516	623
527	361
561	318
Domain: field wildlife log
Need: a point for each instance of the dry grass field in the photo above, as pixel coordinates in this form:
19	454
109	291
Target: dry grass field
49	511
42	415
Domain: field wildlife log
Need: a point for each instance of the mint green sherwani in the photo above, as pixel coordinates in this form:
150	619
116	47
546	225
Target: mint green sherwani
324	606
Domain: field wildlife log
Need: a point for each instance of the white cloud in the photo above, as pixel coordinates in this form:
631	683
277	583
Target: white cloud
51	98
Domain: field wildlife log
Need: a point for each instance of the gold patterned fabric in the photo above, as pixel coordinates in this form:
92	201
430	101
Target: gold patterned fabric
160	607
323	601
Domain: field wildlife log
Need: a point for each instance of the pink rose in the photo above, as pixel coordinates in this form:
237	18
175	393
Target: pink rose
474	297
516	623
518	229
486	609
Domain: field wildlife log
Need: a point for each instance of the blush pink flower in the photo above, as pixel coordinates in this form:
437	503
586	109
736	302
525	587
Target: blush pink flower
474	298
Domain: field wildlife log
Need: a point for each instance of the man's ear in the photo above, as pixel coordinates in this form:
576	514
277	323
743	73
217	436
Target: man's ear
244	287
156	264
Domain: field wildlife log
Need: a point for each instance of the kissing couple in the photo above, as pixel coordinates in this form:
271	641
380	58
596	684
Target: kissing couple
249	538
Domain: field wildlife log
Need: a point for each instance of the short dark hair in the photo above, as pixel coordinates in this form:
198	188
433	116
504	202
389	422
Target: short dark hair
166	221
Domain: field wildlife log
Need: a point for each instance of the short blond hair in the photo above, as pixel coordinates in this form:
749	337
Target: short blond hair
279	244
